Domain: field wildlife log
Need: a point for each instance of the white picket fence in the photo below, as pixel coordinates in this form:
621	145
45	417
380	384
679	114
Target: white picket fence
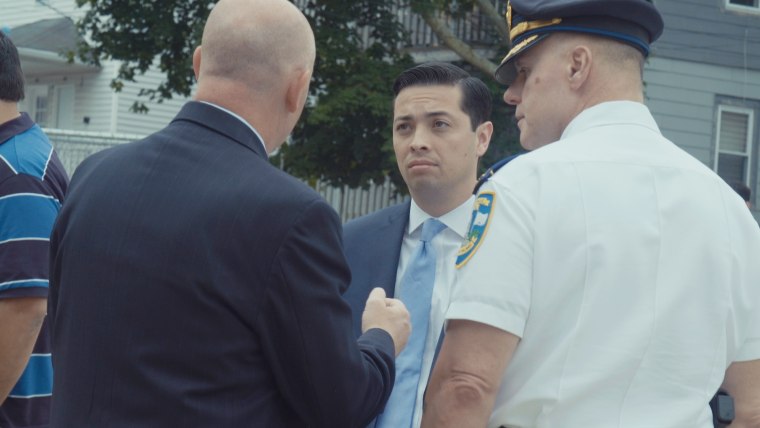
74	146
351	203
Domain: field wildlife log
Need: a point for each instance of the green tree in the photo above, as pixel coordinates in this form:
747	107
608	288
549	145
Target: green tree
344	137
137	33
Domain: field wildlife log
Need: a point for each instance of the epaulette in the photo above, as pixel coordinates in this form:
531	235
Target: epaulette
492	170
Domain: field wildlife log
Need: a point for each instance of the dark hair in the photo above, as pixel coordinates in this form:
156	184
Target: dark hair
476	98
742	189
11	77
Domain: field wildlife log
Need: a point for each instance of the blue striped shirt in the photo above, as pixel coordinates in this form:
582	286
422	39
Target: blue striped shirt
32	185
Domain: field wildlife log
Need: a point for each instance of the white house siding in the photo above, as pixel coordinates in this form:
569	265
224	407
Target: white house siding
19	12
706	31
93	97
158	115
684	98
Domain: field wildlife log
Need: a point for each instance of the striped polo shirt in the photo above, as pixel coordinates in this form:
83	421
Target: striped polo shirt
32	185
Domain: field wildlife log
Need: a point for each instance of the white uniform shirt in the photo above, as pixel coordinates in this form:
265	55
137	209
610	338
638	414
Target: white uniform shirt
446	245
628	268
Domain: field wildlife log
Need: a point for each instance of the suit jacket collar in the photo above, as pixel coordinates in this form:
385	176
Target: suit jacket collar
223	123
398	215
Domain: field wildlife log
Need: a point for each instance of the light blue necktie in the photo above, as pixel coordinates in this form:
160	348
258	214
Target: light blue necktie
416	291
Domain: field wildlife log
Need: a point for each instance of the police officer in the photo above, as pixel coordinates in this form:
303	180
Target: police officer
609	278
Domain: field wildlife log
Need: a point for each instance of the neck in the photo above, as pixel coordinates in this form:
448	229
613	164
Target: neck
438	202
603	93
614	84
612	96
254	107
8	111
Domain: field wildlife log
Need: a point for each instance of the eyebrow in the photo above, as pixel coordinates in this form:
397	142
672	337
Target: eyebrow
408	117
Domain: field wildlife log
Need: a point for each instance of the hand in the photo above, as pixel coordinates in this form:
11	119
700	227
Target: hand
387	314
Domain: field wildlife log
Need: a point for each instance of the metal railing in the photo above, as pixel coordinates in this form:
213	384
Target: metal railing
74	146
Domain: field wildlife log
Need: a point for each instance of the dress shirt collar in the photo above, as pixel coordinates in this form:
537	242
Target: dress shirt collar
457	219
235	115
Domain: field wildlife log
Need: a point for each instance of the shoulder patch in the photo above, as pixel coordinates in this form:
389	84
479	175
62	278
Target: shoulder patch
481	216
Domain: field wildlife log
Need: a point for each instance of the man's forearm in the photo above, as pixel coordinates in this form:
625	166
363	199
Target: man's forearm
467	375
460	401
743	383
21	322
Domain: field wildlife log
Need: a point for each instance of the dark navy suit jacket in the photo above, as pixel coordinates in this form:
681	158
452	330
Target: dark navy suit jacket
195	285
373	246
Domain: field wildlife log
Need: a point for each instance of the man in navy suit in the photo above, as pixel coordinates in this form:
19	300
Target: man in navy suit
195	285
441	128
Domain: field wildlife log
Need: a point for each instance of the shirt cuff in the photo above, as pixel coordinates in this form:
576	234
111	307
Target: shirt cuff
749	351
489	314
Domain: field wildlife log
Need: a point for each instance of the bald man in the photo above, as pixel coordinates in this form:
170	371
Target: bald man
193	284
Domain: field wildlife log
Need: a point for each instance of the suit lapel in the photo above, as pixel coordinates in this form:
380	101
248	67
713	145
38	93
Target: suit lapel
389	239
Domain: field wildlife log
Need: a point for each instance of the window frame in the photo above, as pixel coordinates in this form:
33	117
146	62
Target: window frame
742	8
59	108
31	99
750	113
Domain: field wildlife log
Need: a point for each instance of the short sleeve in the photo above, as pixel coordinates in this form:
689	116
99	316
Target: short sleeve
495	264
750	349
26	220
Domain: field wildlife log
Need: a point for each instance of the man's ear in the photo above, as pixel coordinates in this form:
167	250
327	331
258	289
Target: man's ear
298	89
484	131
197	62
579	66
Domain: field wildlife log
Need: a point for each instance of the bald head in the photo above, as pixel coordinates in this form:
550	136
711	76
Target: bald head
619	60
256	60
600	69
255	42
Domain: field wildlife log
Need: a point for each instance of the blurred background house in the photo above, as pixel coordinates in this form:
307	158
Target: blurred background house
703	84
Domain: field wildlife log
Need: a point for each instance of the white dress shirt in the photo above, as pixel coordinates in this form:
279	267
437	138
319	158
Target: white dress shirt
446	245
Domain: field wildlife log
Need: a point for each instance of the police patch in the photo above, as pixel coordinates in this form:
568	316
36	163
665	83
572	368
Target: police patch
481	215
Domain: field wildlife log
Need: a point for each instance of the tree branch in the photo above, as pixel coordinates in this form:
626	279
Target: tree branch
462	49
498	20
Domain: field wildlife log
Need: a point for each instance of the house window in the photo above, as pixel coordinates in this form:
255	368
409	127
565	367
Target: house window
38	103
733	157
744	5
50	106
41	110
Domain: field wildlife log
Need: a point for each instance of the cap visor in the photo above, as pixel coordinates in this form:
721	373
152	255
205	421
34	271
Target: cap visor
506	72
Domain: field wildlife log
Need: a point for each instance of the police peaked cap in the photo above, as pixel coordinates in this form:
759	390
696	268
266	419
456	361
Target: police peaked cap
636	22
